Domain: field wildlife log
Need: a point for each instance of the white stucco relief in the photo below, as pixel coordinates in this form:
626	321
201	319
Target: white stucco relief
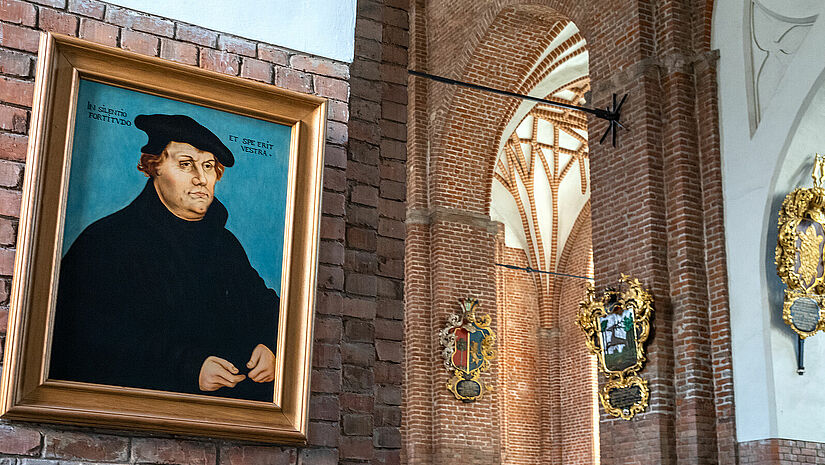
777	29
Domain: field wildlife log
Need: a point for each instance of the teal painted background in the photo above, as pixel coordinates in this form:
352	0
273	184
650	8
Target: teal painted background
104	176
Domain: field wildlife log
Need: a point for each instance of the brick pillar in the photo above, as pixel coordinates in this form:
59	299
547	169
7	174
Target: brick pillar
420	355
629	222
451	254
462	257
707	104
371	348
693	377
663	185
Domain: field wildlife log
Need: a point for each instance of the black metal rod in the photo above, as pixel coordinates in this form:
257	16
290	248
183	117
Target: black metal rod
800	355
599	113
533	270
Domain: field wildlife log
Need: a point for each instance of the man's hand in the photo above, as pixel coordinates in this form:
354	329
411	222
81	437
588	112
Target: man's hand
217	373
261	365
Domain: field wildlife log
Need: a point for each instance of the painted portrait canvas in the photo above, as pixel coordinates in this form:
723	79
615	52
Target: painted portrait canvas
172	247
167	253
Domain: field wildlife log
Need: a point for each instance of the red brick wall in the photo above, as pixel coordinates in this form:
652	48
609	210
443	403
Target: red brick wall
355	412
656	199
577	368
520	348
781	452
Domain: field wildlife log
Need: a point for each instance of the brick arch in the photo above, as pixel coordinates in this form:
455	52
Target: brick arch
458	56
452	57
571	262
466	124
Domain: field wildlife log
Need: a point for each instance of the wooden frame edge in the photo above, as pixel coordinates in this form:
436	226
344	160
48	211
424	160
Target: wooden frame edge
39	404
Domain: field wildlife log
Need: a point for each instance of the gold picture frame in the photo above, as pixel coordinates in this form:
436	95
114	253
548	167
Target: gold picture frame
27	392
616	325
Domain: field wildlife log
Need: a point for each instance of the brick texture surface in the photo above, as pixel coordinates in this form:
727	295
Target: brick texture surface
406	233
781	452
662	185
355	406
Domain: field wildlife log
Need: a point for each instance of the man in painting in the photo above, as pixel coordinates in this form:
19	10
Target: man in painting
160	295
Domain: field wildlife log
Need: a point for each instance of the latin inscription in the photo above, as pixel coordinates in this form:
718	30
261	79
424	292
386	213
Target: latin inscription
468	388
624	398
805	314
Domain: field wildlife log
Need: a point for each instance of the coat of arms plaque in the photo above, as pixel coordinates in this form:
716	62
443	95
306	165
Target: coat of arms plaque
468	348
616	326
799	255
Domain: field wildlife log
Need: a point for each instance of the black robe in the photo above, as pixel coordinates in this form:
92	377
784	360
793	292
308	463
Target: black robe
145	297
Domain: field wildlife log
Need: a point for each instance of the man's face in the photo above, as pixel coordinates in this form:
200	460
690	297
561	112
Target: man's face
185	180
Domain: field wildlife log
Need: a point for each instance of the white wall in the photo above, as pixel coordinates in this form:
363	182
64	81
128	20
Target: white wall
317	27
769	137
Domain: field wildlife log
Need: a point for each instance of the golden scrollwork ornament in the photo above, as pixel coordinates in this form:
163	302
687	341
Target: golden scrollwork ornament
799	255
468	348
616	325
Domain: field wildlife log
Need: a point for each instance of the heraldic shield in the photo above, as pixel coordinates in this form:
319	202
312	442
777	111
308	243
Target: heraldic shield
616	326
468	348
800	248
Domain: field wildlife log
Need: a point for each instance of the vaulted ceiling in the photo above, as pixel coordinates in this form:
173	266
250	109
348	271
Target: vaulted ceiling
542	172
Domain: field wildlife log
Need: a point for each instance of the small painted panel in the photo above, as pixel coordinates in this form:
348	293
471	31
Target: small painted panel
616	325
618	337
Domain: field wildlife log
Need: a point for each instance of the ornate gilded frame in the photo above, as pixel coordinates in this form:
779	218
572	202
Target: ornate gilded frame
621	382
799	255
27	394
465	383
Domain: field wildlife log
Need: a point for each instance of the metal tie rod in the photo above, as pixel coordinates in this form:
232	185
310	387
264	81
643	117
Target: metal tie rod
533	270
611	114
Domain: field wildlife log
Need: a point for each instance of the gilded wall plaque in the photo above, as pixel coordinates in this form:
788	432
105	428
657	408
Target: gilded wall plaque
468	348
616	326
800	247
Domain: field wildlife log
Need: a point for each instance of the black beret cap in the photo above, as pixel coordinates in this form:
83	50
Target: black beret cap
163	129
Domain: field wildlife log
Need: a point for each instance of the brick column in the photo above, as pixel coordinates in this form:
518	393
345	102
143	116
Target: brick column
462	258
371	349
629	221
419	351
666	191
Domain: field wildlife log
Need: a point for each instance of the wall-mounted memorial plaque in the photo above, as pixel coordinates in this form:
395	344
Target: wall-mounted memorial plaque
616	326
468	348
799	254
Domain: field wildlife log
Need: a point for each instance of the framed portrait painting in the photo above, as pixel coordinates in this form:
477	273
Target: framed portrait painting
167	249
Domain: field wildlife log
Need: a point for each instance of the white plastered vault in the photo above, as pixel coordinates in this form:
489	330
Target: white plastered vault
561	146
772	118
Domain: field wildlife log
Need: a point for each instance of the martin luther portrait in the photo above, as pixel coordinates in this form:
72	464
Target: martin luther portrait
160	294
